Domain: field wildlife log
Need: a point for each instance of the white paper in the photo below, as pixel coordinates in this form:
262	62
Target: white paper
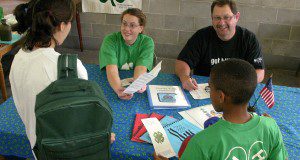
159	138
143	79
199	115
202	92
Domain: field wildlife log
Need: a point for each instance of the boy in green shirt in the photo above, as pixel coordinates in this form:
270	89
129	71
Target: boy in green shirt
239	134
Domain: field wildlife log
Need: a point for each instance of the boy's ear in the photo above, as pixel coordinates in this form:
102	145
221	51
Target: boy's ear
221	96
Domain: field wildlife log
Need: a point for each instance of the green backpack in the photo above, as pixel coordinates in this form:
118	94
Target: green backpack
73	118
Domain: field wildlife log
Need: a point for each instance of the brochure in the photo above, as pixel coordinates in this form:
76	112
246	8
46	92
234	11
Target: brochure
167	97
202	92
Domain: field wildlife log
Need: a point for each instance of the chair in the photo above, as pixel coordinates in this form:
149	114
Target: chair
3	50
77	15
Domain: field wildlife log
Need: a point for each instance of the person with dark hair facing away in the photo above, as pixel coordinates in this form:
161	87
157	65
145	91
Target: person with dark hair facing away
128	49
238	134
35	65
219	42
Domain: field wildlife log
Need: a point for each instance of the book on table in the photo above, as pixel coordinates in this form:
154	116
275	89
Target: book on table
199	115
167	97
139	128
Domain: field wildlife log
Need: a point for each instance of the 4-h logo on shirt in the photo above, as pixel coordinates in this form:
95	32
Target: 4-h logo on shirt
256	152
112	2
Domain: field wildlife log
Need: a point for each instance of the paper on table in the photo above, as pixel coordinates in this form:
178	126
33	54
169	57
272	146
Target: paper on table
202	92
199	115
159	138
143	79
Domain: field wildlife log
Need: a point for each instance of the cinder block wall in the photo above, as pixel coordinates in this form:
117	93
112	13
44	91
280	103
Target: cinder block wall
172	22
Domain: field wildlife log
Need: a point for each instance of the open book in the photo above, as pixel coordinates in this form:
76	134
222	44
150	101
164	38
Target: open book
167	97
199	115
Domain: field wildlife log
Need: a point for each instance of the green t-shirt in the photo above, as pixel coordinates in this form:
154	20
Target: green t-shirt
114	50
260	137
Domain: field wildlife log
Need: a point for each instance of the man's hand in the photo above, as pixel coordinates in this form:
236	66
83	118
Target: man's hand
122	95
188	83
112	137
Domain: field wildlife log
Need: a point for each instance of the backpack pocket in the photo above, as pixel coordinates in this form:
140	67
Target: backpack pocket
81	147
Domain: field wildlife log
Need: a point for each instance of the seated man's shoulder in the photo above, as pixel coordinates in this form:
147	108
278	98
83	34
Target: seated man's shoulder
245	32
205	30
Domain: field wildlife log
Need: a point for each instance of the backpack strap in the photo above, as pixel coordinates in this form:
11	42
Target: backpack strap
67	66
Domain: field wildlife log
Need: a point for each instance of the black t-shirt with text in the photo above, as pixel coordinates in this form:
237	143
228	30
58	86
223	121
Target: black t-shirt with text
205	49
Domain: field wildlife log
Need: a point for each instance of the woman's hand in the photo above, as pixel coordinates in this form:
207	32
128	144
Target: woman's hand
142	89
122	95
112	137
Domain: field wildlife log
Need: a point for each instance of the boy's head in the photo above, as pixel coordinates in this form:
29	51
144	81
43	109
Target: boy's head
232	82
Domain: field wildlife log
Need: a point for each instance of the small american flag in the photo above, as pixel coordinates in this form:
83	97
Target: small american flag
267	93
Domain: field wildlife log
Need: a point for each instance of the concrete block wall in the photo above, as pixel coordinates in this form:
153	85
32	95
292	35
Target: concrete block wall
172	22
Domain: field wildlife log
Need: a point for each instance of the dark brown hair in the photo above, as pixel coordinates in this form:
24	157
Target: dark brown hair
23	14
221	3
137	13
236	78
46	16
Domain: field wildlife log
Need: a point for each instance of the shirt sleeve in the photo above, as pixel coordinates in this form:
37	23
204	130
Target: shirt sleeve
108	53
278	152
254	55
146	54
193	151
81	71
191	52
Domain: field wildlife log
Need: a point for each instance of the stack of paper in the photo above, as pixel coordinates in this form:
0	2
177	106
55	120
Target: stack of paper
176	132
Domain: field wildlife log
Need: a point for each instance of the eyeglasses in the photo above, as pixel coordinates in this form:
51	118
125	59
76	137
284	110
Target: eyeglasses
225	18
130	25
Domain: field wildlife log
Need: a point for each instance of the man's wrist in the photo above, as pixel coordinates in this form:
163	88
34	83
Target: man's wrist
184	77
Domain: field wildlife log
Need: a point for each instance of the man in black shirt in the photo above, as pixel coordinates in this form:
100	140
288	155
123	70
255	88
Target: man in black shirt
219	42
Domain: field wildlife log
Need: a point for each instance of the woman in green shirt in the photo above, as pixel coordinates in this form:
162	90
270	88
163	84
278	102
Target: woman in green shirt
127	49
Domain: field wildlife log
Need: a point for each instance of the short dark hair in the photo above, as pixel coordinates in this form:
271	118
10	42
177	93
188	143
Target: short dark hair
46	16
137	13
220	3
236	78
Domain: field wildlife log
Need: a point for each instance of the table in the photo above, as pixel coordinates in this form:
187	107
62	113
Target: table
13	139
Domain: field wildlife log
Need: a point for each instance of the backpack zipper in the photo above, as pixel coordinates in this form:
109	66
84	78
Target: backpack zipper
67	65
74	138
